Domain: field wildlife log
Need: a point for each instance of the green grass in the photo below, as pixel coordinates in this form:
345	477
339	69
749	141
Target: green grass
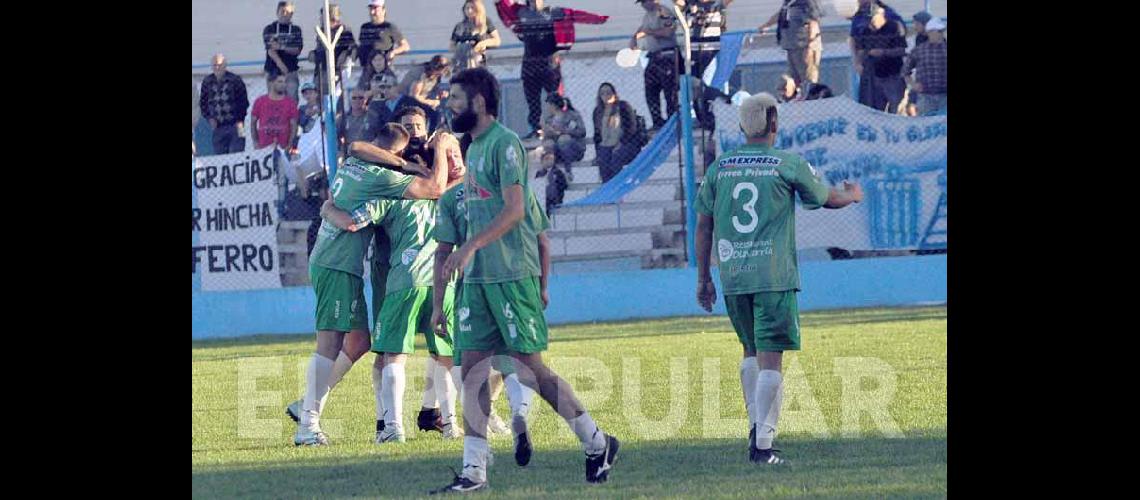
242	446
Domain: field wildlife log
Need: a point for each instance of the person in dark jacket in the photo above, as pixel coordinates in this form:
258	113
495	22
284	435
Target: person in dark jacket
224	103
615	130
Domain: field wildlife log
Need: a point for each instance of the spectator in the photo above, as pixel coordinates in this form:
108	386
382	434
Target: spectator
707	21
543	31
283	43
555	182
385	100
859	23
564	132
414	120
472	37
379	64
882	47
786	90
275	116
928	61
615	131
920	20
658	28
353	126
378	36
224	103
420	83
310	112
797	32
344	49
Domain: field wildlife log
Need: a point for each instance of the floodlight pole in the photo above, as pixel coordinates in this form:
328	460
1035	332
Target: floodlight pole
329	40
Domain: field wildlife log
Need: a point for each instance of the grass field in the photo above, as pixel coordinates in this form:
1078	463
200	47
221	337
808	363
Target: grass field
653	384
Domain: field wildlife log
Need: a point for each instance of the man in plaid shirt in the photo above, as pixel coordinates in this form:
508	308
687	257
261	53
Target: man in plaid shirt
928	61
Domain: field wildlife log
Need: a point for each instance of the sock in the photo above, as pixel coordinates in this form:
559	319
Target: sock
749	369
518	395
339	368
316	388
377	386
445	392
768	389
393	395
475	453
588	432
457	377
431	400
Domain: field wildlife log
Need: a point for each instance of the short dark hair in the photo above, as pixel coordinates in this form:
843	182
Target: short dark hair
391	134
284	4
410	110
479	81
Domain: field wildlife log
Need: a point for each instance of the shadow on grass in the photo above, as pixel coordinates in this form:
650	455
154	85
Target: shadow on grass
913	466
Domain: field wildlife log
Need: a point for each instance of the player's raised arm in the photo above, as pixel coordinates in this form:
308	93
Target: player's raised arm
375	154
432	187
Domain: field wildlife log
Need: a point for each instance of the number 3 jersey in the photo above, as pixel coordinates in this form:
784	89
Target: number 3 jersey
750	194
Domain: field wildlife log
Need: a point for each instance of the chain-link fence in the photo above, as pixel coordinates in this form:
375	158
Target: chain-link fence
616	206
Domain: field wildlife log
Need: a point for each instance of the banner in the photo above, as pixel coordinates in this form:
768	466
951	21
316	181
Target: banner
900	162
235	221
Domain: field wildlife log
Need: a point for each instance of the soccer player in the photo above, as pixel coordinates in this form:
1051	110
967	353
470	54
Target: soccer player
747	201
336	264
450	231
500	304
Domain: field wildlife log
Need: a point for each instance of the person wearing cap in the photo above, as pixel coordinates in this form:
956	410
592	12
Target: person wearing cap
798	33
309	112
859	23
882	48
420	83
920	20
928	63
379	36
385	99
658	29
344	49
283	43
747	202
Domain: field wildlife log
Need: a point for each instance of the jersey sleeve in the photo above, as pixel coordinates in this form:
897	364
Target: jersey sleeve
813	193
512	162
705	195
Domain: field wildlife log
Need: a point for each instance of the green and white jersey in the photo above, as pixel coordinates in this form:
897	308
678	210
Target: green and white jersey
451	224
750	194
497	160
408	225
356	182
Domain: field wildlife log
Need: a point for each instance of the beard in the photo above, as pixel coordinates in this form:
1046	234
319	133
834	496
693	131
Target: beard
464	122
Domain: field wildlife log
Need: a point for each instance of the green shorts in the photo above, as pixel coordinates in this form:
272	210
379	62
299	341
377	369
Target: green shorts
501	362
495	316
406	313
765	321
340	300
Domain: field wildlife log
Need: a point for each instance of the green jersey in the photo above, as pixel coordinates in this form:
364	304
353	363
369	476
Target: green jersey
451	224
750	194
496	160
356	182
408	225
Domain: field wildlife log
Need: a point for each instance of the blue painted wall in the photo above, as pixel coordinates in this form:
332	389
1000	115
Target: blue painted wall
607	296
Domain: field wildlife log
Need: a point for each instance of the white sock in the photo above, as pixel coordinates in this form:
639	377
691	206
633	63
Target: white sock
768	388
316	388
588	432
445	392
393	395
518	395
377	386
749	370
339	368
431	400
457	377
475	453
